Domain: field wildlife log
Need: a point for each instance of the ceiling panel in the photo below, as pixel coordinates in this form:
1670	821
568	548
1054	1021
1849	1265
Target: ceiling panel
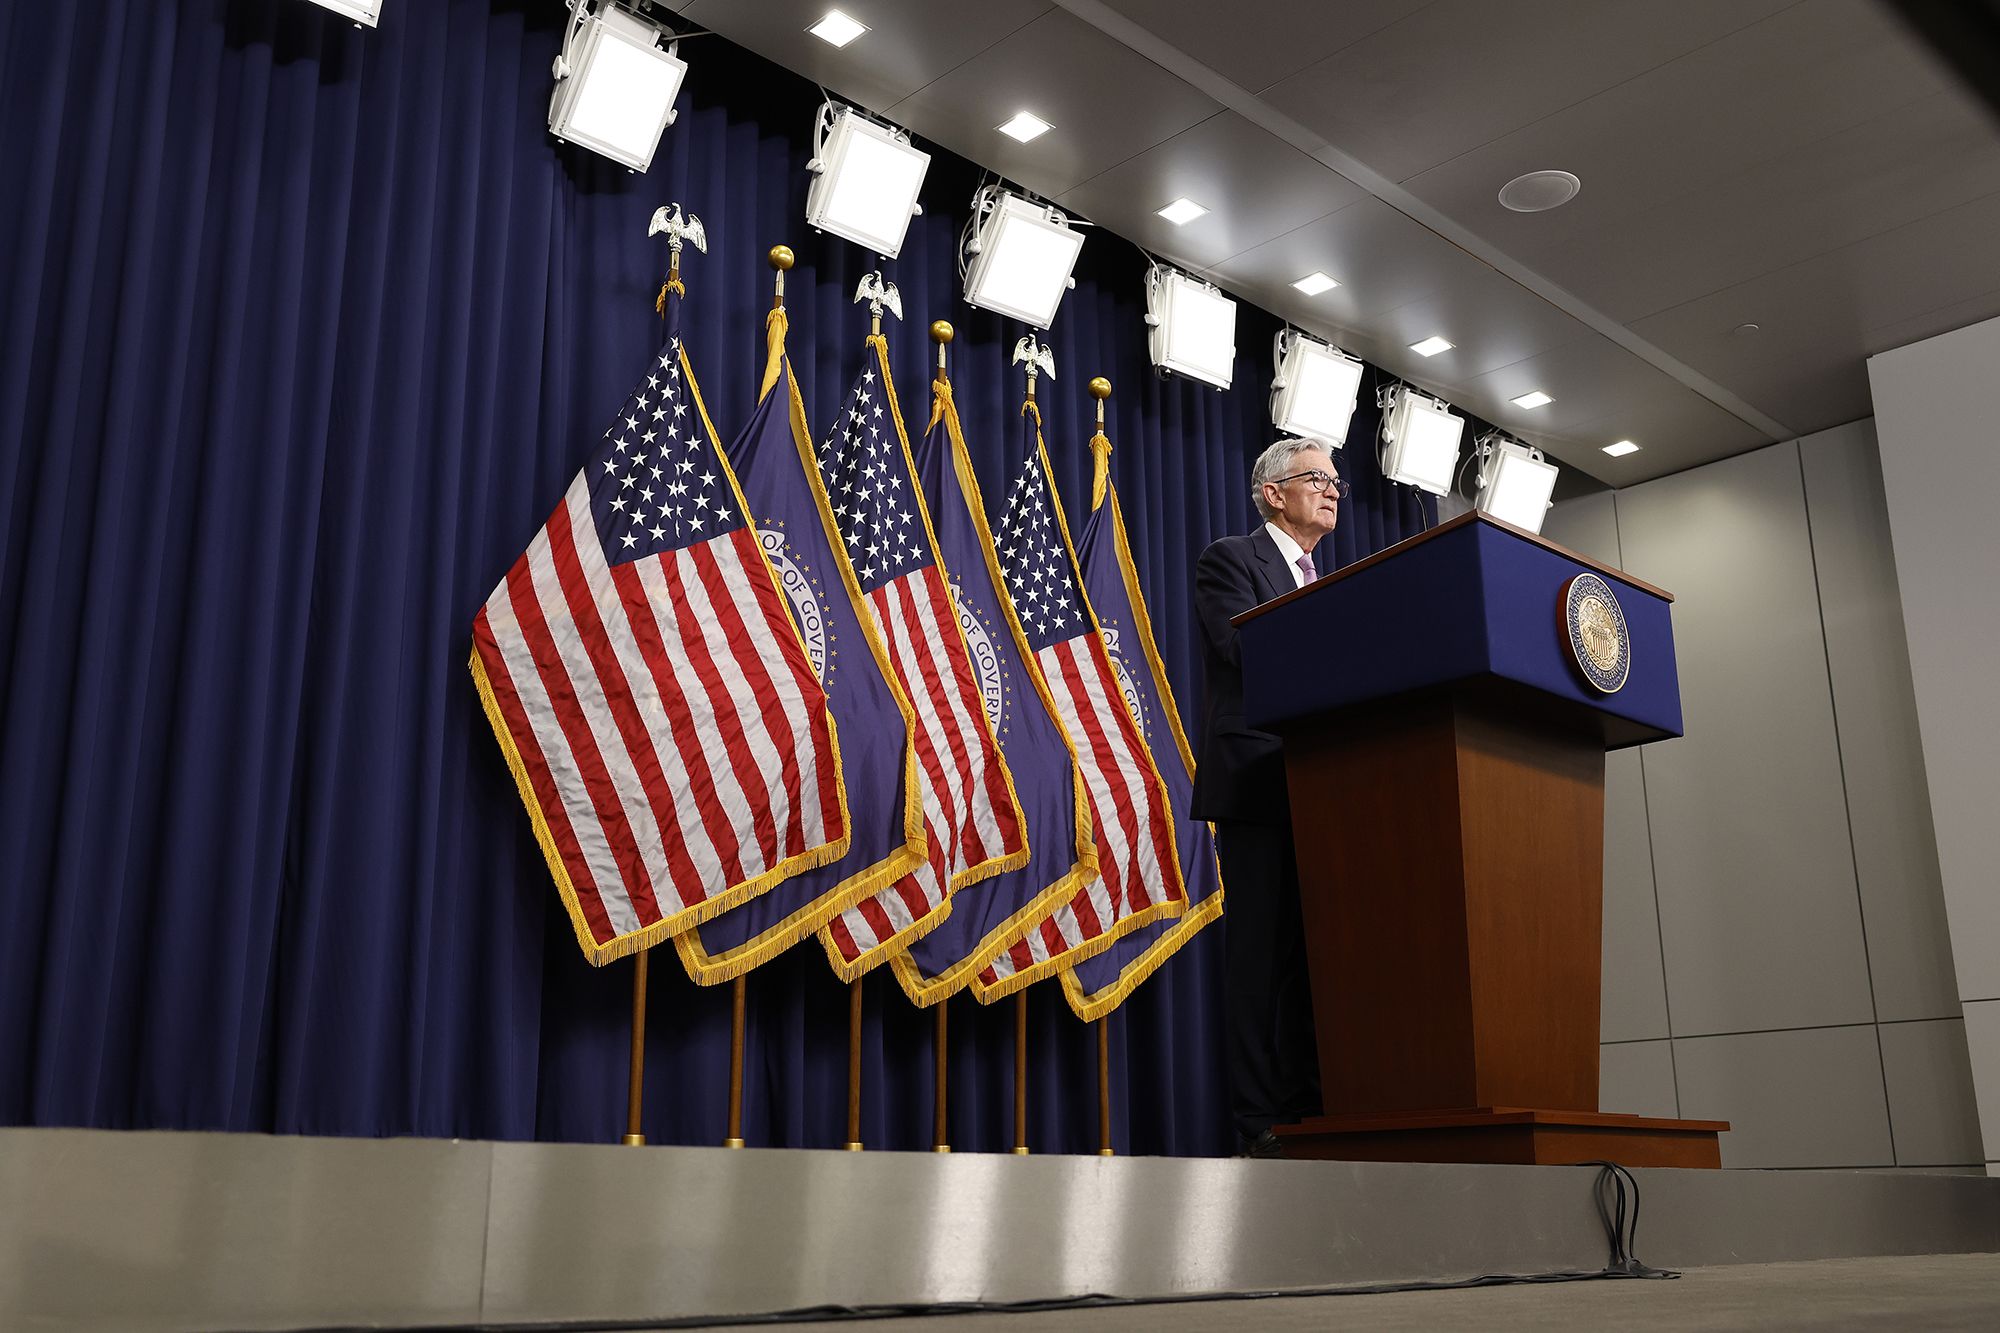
1817	316
1656	146
1259	42
1382	258
1491	320
1460	73
1255	185
1674	427
1589	378
908	43
1106	103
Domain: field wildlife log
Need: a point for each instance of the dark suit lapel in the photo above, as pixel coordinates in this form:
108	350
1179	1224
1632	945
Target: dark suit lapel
1271	566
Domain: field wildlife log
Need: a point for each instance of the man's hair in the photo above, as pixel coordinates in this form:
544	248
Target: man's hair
1276	462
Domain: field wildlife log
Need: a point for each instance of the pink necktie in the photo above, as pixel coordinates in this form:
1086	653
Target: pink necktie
1305	564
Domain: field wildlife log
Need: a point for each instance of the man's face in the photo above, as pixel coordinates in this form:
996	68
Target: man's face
1305	508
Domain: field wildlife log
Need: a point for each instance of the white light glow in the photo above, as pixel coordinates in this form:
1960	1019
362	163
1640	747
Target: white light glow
867	187
1194	327
1312	284
1024	126
1535	398
1515	483
1183	211
619	96
1025	256
1622	448
1316	396
1423	436
1431	346
837	29
361	11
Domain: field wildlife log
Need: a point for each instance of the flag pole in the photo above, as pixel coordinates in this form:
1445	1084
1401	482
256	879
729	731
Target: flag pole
1021	1070
635	1089
853	1143
940	1130
941	334
1104	1087
737	992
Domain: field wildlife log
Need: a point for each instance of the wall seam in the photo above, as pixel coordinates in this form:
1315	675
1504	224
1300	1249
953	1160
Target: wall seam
1846	797
1652	866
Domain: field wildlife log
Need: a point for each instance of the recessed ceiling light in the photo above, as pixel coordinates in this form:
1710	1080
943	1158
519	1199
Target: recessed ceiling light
1539	191
1622	448
1183	211
1024	126
837	28
1535	398
1431	346
1312	284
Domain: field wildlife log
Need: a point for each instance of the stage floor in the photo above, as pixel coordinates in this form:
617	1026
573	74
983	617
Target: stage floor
1956	1291
138	1231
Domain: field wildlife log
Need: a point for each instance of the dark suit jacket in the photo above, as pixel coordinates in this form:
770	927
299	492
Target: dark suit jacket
1239	773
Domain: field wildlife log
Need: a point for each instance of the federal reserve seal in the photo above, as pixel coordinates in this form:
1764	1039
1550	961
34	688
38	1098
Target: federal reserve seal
985	661
804	597
1594	630
1133	703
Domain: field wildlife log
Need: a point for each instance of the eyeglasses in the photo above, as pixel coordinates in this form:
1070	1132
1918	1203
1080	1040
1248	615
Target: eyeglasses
1319	483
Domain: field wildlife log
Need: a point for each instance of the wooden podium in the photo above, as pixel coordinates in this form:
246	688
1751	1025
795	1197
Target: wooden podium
1445	758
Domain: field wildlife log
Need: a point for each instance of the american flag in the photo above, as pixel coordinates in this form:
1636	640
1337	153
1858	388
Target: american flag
1098	985
970	815
1139	877
640	669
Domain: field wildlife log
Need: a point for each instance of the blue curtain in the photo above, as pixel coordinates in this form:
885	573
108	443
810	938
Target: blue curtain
304	329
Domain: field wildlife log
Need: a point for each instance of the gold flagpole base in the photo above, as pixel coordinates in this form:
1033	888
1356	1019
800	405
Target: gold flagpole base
851	1147
635	1140
732	1143
941	1147
1021	1151
1106	1152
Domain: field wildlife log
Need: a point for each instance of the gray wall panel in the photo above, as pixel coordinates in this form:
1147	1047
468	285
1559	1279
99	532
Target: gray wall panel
1940	472
1982	1042
1803	1098
1637	1078
1888	802
1634	988
1755	875
1932	1109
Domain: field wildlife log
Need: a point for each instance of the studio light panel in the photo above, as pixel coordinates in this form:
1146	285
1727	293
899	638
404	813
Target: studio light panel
1515	485
1318	393
619	96
361	11
1025	256
866	190
1194	327
1423	437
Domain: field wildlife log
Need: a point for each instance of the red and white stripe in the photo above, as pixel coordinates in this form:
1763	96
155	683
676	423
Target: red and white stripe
969	814
1134	829
671	728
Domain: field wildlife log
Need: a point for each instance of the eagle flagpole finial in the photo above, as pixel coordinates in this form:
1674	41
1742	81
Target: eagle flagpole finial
681	229
1039	358
879	295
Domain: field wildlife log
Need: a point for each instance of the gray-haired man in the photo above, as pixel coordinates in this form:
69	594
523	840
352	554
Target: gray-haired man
1240	785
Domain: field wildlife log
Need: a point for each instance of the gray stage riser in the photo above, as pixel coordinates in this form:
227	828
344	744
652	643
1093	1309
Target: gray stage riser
135	1231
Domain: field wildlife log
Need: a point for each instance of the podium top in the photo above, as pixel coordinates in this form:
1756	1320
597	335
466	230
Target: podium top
1429	534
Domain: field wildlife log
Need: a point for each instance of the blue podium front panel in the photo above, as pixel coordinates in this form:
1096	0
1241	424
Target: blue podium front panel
1470	601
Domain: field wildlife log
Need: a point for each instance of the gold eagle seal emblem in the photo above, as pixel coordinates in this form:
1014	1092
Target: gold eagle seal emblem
1595	633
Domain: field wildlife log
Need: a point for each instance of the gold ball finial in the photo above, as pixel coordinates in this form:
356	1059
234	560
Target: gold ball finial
781	257
1100	388
941	331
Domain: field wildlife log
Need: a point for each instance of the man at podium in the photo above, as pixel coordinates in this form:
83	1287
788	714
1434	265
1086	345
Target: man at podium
1240	786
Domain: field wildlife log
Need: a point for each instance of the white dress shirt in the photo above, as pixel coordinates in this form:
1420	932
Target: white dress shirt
1292	551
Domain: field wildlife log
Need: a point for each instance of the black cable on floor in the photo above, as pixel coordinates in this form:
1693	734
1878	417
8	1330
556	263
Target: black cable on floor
1607	1191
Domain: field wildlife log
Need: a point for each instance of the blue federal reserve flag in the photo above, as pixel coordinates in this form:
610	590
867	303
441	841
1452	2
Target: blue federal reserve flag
1053	803
775	464
1096	986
